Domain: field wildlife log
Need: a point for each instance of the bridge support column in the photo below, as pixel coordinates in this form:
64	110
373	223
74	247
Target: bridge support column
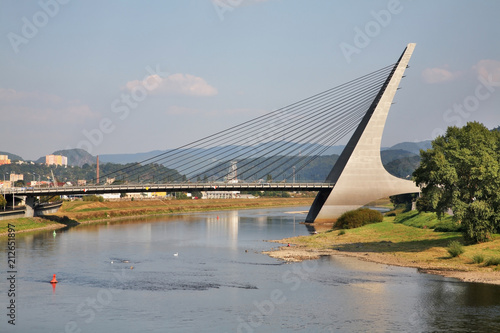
358	174
30	207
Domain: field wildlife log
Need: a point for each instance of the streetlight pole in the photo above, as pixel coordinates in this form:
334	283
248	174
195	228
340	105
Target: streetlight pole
3	192
10	186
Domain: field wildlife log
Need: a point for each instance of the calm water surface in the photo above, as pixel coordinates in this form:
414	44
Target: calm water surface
219	282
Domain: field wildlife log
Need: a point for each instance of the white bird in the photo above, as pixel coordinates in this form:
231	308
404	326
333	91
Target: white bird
176	254
111	261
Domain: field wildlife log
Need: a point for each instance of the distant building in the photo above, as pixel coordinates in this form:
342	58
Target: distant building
4	159
42	183
15	177
108	196
56	160
110	181
82	182
5	184
220	194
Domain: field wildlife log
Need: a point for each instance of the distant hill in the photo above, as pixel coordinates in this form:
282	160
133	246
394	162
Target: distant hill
12	157
128	158
403	167
76	157
496	129
412	147
394	154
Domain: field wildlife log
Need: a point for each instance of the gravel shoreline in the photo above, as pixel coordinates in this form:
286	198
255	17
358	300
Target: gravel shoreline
297	253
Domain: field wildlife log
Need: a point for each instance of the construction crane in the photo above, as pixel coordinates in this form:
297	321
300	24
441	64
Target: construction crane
54	181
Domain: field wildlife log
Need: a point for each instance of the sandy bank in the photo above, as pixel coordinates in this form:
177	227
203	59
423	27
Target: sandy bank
296	253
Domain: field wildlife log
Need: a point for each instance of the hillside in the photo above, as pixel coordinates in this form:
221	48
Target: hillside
12	157
403	167
412	147
71	174
399	163
396	154
76	157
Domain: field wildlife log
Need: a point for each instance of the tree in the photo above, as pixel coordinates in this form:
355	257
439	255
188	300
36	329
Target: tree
405	200
19	183
462	172
3	202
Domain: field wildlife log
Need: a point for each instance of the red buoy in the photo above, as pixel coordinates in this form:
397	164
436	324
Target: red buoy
53	279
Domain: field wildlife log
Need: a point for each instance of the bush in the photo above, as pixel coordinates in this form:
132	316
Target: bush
478	258
358	218
93	197
455	249
341	232
493	261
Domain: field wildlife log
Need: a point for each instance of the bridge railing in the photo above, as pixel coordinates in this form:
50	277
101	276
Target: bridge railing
169	187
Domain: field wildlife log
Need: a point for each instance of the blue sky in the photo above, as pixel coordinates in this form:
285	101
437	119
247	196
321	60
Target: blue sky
70	68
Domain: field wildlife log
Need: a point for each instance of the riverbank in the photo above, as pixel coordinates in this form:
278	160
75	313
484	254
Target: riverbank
396	244
26	224
83	212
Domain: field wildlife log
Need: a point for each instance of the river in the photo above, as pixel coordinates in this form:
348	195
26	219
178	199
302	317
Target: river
204	272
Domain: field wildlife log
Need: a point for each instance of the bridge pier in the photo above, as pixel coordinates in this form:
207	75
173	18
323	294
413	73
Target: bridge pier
30	207
359	175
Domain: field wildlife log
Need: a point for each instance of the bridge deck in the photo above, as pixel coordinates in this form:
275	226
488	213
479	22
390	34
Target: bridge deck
182	187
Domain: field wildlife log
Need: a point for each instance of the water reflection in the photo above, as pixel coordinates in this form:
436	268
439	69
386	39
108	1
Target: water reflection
450	301
214	281
225	224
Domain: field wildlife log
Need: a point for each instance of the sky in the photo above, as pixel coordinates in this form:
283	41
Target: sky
136	76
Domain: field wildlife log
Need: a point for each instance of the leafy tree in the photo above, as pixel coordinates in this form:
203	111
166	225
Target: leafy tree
196	194
405	200
3	202
462	172
19	183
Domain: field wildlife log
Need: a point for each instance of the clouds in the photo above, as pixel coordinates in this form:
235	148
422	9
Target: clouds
484	68
438	75
487	67
174	84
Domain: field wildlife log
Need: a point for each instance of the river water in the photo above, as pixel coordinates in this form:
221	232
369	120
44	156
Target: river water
125	277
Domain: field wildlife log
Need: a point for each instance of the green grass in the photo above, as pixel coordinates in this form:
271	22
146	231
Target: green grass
96	209
478	258
492	261
455	249
425	220
24	223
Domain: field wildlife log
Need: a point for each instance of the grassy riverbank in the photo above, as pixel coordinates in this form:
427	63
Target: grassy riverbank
24	224
85	211
74	212
394	243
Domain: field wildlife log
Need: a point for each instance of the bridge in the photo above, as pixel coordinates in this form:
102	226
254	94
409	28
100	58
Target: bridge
182	187
279	145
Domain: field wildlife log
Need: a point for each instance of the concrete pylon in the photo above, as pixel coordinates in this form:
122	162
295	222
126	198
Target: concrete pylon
358	174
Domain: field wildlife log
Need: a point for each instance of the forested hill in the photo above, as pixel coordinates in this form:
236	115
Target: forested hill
12	157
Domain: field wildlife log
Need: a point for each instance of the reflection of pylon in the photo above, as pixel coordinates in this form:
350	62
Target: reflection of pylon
232	175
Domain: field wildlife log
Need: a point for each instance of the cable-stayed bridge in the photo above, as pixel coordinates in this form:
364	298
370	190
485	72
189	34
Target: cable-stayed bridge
279	145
